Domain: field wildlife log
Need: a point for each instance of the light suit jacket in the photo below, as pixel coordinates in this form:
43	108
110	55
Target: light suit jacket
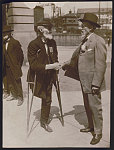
89	67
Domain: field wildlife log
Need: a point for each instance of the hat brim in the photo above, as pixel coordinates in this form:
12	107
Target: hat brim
96	24
8	31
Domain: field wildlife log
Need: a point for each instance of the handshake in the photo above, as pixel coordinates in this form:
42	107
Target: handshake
55	66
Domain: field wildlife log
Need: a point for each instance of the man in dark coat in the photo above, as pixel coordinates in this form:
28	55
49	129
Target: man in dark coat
43	61
12	62
88	65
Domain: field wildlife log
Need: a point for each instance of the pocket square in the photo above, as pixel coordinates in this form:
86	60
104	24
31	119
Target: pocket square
89	50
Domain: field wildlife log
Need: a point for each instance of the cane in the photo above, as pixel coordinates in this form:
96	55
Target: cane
29	111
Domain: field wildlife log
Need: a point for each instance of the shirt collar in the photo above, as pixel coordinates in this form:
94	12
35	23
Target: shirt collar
89	35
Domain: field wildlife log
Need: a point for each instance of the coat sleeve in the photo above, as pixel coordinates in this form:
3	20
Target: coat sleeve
55	56
20	56
34	62
100	62
3	62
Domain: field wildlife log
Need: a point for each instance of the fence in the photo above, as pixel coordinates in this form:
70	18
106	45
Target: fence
67	39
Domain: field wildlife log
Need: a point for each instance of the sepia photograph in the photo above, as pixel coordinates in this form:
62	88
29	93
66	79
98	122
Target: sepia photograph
56	74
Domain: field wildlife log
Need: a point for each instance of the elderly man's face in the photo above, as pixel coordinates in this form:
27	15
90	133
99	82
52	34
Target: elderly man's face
46	33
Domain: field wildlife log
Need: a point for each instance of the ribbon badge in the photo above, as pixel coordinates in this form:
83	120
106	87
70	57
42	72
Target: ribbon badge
51	49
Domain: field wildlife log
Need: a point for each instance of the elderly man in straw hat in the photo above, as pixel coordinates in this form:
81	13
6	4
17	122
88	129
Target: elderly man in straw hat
88	65
12	63
39	52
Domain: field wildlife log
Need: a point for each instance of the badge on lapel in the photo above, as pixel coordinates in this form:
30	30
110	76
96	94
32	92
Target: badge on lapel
51	49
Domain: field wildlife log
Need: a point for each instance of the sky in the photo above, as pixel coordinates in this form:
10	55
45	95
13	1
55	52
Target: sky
66	6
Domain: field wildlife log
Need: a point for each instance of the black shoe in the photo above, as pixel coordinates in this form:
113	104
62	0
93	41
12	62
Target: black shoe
20	102
87	129
96	139
46	127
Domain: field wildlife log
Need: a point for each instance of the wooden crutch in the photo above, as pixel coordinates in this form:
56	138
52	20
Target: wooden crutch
29	109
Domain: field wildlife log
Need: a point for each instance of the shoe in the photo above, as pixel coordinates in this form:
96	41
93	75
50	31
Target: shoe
46	127
20	102
96	139
10	98
87	129
5	95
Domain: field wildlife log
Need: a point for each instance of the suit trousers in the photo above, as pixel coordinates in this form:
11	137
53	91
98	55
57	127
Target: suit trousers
15	86
96	108
93	107
88	110
5	84
46	105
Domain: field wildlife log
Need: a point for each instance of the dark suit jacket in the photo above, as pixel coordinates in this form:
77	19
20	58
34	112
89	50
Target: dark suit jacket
38	59
91	64
13	57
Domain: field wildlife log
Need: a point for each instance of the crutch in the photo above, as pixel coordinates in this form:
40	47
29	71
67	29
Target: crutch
56	84
29	109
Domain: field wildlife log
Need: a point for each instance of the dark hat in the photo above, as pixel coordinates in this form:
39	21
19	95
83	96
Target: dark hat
7	28
46	23
91	18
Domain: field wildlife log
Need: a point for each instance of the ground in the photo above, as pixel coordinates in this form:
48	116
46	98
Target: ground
15	118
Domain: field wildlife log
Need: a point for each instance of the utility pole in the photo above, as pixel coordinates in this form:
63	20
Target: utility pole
99	12
107	17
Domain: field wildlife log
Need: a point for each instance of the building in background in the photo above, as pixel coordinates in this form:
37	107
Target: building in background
21	19
66	27
70	22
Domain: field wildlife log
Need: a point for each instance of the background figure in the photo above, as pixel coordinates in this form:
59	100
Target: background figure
88	65
12	62
41	53
108	41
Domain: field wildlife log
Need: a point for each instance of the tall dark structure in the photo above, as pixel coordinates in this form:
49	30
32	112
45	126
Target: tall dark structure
38	15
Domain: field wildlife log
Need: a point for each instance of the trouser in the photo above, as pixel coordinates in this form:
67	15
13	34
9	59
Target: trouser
96	108
46	105
5	84
93	107
15	86
45	111
88	110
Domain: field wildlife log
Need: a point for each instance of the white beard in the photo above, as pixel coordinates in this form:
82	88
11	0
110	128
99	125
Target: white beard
49	36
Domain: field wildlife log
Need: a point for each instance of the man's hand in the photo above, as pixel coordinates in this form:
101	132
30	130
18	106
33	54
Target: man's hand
55	66
65	65
95	90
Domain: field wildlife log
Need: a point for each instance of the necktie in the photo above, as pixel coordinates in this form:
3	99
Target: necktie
83	41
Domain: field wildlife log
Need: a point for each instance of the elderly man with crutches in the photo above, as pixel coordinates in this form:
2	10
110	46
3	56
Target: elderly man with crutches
43	61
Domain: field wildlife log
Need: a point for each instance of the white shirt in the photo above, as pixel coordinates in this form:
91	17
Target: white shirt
7	43
89	35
